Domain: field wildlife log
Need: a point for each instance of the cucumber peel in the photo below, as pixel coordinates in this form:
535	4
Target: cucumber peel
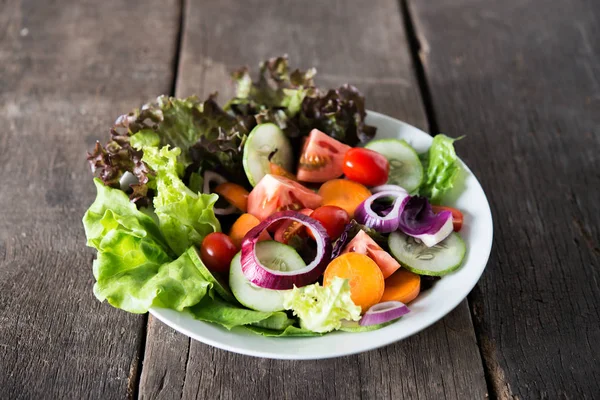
406	169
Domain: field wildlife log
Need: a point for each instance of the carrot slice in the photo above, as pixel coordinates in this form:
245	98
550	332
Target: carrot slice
234	194
277	169
366	280
241	226
403	286
344	194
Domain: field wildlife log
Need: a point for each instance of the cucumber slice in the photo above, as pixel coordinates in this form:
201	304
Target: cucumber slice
406	169
264	140
443	258
274	255
219	286
354	327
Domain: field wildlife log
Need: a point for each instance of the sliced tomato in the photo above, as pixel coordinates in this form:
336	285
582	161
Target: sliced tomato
363	244
322	158
275	193
333	219
288	228
457	216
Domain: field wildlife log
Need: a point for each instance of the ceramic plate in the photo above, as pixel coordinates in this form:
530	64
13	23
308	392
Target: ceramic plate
428	308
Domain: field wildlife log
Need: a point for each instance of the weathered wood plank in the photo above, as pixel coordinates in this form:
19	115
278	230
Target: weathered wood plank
356	42
66	71
520	79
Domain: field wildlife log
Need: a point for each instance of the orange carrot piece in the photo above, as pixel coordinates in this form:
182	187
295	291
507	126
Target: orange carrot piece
241	226
403	286
365	278
234	194
344	194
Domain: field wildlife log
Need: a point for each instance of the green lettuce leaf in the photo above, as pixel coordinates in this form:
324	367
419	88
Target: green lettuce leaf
112	211
185	217
322	308
276	88
289	331
441	168
216	136
228	315
134	268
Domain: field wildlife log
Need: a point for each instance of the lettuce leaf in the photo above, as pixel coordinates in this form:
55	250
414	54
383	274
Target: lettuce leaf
322	308
292	101
441	168
216	136
290	331
276	88
184	216
134	268
214	309
340	113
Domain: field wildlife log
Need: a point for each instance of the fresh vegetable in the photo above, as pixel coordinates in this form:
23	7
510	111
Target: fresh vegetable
211	178
276	193
323	308
406	169
217	251
389	221
277	169
344	194
339	113
175	158
266	144
366	166
184	217
334	219
322	158
403	286
288	229
241	226
437	260
418	220
457	216
363	244
263	276
365	278
441	168
219	285
235	194
229	315
384	312
275	256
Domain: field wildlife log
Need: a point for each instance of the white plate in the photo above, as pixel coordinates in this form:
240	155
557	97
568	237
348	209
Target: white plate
428	308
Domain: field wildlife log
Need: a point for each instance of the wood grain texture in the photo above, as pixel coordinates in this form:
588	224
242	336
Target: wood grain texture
521	80
67	70
351	42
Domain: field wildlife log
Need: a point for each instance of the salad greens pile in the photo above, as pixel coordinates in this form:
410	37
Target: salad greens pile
146	233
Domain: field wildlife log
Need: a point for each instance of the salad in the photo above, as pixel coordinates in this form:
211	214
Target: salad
280	213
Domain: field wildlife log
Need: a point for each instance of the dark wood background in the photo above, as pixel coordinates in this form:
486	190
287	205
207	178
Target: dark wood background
520	78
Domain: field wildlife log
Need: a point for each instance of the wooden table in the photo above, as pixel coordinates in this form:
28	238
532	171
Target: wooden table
519	78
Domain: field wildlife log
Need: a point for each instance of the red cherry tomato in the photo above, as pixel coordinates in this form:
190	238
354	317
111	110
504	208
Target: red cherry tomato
457	216
217	251
333	219
366	166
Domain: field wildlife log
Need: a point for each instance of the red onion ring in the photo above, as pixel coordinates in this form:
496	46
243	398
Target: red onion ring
264	277
365	214
384	312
